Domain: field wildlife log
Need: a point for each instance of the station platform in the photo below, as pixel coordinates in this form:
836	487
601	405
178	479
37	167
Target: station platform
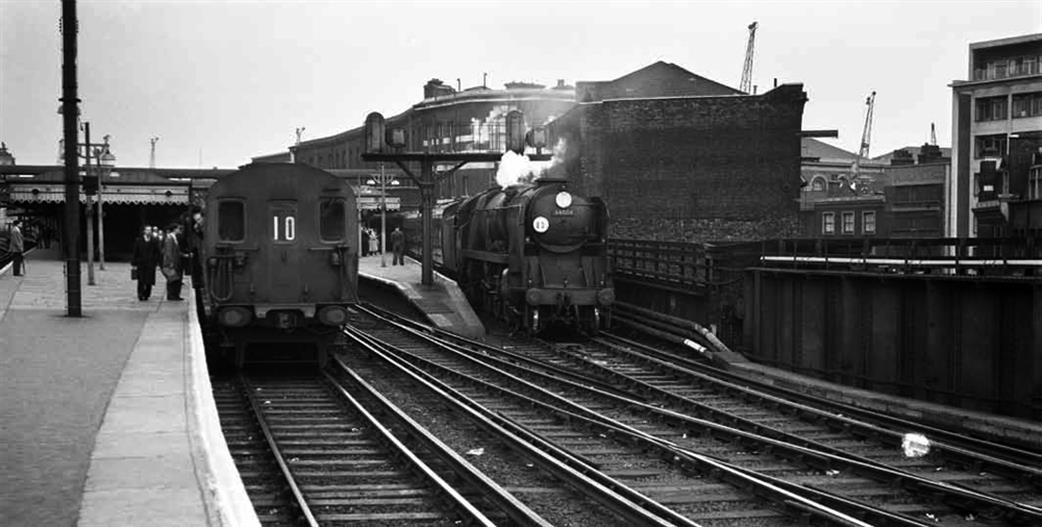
108	418
443	302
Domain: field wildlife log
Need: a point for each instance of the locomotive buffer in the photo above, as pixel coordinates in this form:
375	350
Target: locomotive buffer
388	145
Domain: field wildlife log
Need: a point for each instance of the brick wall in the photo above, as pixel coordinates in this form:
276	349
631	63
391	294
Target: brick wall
692	168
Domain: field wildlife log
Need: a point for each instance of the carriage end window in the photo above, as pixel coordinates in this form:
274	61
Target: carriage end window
331	219
231	221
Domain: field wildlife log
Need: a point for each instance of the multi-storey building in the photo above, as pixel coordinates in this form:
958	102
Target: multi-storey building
904	199
996	184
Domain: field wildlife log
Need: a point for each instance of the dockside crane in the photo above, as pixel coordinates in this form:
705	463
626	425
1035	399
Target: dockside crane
866	140
746	84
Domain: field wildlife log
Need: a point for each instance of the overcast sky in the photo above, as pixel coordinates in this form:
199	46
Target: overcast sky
221	81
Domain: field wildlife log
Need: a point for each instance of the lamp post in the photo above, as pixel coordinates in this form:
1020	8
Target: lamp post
94	175
383	212
106	161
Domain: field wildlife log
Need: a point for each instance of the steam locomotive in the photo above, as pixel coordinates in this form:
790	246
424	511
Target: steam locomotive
533	254
280	256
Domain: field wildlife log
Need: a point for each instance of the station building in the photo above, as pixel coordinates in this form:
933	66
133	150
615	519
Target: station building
675	155
996	185
130	197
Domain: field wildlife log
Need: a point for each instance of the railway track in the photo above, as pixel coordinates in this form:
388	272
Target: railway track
310	453
649	469
863	477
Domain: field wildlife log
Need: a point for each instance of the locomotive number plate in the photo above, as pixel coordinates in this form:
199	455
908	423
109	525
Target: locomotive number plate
564	212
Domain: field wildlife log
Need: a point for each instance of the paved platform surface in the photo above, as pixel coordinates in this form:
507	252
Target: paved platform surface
443	302
104	417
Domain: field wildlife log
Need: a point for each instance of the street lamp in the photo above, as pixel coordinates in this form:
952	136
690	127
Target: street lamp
91	186
384	181
106	161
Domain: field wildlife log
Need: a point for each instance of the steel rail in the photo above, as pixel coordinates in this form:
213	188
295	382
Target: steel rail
580	413
608	497
517	511
258	413
1009	460
445	335
474	516
826	459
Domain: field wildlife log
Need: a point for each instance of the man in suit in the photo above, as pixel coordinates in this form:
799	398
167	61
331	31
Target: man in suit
17	248
144	261
172	262
398	244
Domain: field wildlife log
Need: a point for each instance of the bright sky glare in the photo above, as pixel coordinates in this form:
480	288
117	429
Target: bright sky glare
221	81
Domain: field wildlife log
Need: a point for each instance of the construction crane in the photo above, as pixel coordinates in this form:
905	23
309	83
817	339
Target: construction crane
747	71
152	155
866	137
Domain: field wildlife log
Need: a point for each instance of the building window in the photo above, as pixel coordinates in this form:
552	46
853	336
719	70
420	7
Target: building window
1027	104
848	223
868	222
989	146
1035	183
818	184
991	108
828	223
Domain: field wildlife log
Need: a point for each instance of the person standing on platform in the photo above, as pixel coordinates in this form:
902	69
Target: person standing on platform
172	262
364	249
143	262
17	248
374	242
398	245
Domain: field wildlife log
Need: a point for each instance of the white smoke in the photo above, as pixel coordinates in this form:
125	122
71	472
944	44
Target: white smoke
515	168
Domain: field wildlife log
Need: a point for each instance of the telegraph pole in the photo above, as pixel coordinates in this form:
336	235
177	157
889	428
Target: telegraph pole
70	105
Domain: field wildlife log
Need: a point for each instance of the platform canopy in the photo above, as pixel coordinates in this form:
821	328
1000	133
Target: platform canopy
123	194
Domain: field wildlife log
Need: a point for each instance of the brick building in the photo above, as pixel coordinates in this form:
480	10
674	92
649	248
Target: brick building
901	201
678	156
996	188
674	154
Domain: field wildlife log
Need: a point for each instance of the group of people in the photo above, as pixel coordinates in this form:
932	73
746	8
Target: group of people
173	251
152	248
371	244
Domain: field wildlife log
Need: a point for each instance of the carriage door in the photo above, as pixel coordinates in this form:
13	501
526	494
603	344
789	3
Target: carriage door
284	268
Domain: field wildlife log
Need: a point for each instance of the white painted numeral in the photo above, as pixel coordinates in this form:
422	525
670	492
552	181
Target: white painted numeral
288	232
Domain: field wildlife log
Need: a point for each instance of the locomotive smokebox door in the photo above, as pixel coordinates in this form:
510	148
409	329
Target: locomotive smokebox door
284	230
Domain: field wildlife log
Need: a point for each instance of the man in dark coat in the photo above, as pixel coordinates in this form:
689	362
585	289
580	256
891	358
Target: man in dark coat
17	248
172	262
398	245
144	261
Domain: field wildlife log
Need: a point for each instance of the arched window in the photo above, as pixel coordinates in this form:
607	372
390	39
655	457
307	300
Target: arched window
818	184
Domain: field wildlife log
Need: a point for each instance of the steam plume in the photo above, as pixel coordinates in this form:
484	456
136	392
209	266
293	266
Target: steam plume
515	169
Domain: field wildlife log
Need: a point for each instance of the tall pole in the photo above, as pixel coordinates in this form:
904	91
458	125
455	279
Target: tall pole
426	209
383	217
90	212
101	215
72	190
